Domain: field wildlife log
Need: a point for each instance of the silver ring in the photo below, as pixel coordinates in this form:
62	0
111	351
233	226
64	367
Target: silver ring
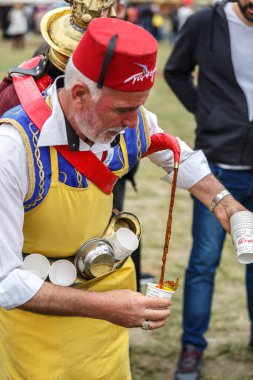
145	325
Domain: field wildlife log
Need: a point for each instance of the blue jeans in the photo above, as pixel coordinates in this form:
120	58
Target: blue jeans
208	239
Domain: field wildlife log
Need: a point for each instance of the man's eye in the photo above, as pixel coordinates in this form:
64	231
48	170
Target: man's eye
122	110
126	110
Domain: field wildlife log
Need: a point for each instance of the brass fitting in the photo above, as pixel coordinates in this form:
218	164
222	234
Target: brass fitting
62	28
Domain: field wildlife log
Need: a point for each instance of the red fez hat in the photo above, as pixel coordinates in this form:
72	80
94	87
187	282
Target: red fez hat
117	54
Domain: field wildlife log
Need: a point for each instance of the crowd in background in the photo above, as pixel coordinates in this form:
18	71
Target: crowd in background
223	109
162	18
19	19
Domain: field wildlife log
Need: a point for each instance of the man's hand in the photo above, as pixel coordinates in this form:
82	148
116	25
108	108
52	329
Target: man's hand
129	309
206	189
225	209
122	307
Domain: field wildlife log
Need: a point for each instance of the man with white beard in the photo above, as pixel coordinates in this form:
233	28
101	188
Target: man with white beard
56	181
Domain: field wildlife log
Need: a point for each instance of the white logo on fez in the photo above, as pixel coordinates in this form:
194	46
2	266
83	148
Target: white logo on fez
144	74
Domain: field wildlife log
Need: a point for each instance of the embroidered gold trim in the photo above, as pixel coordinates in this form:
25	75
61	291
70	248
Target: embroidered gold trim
146	130
40	166
138	135
118	153
79	179
125	168
65	177
125	162
29	154
48	101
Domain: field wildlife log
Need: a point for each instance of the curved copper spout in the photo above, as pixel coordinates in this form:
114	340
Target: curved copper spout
162	141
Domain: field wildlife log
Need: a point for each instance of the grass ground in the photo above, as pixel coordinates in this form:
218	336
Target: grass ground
154	354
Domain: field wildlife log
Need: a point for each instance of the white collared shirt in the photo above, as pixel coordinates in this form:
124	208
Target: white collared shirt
17	285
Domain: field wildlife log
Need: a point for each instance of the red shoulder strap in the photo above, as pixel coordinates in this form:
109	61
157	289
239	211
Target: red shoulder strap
89	165
32	101
38	111
30	96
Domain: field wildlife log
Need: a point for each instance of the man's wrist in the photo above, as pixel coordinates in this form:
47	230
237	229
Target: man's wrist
216	200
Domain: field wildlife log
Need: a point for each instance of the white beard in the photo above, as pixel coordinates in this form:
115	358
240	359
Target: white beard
91	130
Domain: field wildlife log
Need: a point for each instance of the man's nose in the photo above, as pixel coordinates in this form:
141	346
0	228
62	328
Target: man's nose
130	120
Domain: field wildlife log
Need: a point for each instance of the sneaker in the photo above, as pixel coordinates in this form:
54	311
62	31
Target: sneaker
189	364
146	278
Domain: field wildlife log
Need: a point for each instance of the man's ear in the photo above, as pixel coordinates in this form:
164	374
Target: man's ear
80	94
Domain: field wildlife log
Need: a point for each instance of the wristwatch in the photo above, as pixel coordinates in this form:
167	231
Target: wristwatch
217	199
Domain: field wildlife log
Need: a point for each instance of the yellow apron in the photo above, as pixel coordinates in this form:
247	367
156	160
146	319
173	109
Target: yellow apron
39	347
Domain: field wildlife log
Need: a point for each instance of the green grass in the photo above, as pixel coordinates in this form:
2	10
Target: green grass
154	354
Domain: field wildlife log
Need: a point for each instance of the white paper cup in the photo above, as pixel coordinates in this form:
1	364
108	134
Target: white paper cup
62	272
37	264
242	235
124	243
154	291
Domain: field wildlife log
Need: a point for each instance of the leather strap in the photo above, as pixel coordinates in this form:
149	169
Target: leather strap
36	67
30	96
32	101
107	59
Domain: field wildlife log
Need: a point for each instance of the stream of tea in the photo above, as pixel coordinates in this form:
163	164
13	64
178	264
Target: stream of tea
168	227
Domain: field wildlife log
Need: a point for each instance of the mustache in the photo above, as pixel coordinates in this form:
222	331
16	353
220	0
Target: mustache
116	130
250	5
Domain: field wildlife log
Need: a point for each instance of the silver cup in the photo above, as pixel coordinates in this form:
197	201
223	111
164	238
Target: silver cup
95	258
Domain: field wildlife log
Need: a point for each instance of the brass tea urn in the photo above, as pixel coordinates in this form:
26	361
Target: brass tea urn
62	28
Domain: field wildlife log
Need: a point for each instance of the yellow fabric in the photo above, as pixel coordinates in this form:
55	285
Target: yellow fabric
40	347
70	226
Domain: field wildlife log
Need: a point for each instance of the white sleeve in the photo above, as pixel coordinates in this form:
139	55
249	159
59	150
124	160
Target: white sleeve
193	165
17	286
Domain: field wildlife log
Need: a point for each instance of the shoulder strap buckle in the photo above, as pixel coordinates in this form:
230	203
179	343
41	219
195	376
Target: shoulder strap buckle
35	72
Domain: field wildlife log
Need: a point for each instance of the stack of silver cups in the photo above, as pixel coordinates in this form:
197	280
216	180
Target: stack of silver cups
94	259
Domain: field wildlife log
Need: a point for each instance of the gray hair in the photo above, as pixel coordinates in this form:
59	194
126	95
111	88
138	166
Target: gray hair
73	75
